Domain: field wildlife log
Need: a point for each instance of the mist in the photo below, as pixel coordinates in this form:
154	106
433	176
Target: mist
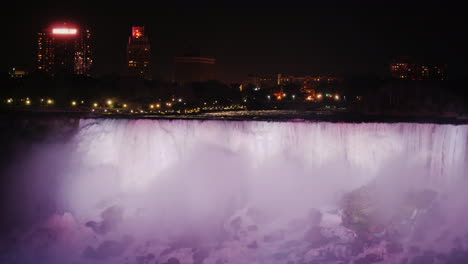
160	191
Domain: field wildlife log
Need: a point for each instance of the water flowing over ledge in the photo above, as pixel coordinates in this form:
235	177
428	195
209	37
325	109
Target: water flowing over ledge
162	191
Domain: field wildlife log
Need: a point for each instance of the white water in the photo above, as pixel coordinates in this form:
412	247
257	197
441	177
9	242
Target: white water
185	180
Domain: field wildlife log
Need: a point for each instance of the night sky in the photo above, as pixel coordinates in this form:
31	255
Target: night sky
291	37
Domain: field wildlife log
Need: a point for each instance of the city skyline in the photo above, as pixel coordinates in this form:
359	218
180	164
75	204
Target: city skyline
316	39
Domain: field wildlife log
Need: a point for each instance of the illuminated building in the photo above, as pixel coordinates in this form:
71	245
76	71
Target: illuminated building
191	69
432	72
139	54
16	74
259	81
307	81
403	69
309	84
64	50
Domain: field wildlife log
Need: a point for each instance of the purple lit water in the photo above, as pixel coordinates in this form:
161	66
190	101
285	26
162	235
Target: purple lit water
152	191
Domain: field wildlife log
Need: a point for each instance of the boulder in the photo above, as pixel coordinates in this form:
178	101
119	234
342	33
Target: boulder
315	238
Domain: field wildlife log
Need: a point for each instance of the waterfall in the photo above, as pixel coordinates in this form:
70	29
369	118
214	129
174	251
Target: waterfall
193	182
156	145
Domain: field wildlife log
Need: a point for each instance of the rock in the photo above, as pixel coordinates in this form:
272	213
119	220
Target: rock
108	248
314	217
358	208
112	214
111	218
315	237
96	227
236	224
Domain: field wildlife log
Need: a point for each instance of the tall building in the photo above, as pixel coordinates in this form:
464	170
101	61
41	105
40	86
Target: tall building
432	72
64	50
189	69
139	54
403	69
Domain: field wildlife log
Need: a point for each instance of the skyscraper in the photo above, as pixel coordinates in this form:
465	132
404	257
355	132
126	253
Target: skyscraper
139	54
64	50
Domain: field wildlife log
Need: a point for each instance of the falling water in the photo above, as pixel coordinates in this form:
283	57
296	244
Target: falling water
156	191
